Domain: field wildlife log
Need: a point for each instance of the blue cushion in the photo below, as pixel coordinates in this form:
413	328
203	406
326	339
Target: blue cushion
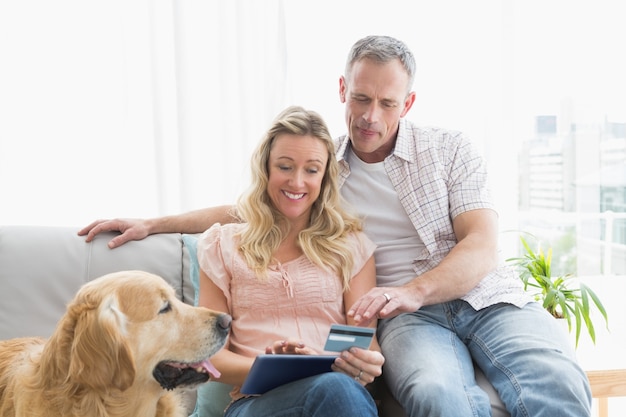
191	242
213	398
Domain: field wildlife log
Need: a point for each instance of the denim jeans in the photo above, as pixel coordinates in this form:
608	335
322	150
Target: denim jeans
525	353
325	395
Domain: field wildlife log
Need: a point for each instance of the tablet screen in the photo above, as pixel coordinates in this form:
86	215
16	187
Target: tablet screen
270	371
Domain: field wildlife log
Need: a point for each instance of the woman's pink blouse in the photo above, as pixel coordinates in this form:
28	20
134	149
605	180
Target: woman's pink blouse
297	300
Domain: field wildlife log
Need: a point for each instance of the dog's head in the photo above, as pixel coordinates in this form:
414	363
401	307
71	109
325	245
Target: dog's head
129	328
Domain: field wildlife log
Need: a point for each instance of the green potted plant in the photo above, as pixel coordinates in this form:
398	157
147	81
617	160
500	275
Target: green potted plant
562	296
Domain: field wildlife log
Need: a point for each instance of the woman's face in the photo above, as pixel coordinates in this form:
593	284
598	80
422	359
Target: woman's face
296	169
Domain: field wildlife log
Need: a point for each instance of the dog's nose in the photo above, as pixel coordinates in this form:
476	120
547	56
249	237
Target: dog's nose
224	321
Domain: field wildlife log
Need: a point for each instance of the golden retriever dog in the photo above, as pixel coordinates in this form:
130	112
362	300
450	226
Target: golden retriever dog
122	348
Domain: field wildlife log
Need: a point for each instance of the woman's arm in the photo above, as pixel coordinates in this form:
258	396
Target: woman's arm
233	367
362	364
360	285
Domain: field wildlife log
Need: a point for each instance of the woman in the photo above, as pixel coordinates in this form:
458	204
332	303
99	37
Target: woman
292	267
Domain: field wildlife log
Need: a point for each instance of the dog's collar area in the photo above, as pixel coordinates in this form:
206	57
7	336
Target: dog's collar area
171	375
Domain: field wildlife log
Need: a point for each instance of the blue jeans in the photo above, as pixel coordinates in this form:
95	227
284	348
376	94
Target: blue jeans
324	395
525	354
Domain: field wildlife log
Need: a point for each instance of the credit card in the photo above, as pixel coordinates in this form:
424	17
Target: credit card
343	337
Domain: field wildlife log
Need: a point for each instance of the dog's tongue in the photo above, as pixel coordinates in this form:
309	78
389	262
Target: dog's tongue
208	366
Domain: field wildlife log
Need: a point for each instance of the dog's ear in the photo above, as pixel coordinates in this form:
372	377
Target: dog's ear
100	355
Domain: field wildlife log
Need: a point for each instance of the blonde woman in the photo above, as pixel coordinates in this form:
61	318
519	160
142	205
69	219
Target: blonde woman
293	266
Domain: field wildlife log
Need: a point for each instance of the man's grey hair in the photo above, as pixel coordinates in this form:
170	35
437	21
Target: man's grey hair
382	49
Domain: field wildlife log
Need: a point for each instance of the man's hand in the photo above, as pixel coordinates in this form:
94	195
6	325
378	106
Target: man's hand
361	364
130	229
384	302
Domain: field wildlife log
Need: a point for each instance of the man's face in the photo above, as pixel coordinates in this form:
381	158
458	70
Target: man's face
376	98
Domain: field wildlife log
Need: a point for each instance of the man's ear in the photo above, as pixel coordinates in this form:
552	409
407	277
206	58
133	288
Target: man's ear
408	103
342	89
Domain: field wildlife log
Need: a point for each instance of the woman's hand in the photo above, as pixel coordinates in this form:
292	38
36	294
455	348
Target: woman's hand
361	364
290	346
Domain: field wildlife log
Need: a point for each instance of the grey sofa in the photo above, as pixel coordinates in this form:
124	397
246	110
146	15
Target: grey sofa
41	268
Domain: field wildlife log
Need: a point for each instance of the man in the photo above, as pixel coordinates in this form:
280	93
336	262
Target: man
443	300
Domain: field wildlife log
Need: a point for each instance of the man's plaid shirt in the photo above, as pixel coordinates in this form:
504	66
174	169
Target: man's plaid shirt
438	174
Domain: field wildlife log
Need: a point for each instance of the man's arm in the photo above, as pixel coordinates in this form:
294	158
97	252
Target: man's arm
196	221
474	256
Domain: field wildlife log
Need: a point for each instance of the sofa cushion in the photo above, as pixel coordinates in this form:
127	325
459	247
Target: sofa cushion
190	265
212	399
42	268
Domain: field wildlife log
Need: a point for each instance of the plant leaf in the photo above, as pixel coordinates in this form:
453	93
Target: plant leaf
596	301
557	297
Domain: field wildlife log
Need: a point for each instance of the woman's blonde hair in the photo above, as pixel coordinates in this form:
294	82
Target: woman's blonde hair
324	241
